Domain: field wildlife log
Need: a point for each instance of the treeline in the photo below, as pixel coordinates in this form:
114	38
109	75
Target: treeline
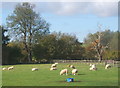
45	49
59	46
27	39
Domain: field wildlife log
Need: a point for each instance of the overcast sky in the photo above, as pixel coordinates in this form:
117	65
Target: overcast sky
78	18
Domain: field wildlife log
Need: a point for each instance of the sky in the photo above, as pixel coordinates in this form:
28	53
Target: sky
75	18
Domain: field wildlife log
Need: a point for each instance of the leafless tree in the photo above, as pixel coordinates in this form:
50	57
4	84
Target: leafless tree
98	46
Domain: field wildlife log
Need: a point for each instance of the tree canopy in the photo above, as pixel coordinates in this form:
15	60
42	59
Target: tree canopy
24	23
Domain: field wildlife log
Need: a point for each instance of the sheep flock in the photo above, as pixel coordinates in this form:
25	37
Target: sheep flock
69	69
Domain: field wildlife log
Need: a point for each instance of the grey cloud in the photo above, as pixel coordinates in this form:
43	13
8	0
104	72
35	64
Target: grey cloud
102	9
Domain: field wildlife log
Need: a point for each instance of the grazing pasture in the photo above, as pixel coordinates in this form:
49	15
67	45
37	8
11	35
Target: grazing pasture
22	75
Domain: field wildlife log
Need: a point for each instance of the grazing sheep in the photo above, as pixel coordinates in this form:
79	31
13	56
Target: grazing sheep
74	71
64	71
107	66
71	66
34	69
4	68
54	65
90	65
93	67
10	68
53	68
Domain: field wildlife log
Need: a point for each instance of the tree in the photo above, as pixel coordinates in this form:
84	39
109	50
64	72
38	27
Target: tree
5	50
99	48
14	53
114	41
24	23
10	54
45	48
5	39
113	51
109	39
89	53
111	55
99	42
58	46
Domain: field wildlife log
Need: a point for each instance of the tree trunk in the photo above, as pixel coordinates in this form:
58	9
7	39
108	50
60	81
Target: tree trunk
29	57
27	49
100	58
30	41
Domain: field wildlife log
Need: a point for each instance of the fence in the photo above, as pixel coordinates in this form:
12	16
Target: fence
112	62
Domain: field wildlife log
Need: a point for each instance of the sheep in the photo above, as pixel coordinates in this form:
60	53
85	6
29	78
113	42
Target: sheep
74	71
10	68
4	68
107	66
54	65
90	65
64	71
93	67
71	66
34	69
53	68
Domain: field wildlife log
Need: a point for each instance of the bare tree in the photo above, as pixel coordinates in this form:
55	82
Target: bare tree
98	46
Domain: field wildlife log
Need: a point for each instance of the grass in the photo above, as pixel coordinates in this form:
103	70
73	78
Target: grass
22	75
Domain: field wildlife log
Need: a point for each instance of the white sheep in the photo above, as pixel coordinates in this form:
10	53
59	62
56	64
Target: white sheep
93	67
64	71
4	68
107	66
53	68
54	65
34	69
71	66
10	68
74	71
90	65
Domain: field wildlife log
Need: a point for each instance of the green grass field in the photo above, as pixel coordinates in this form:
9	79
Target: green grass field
22	75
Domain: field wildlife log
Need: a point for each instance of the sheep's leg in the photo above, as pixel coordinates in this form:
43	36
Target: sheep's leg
66	73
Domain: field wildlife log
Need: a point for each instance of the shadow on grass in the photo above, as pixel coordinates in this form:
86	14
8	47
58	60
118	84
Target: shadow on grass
77	74
81	74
